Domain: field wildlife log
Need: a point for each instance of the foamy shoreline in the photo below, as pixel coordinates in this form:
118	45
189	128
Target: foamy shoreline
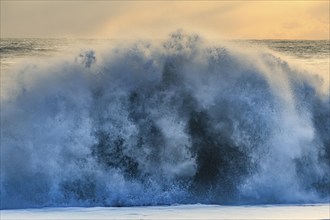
308	211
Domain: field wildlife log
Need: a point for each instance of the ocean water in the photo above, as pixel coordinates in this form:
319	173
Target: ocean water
92	123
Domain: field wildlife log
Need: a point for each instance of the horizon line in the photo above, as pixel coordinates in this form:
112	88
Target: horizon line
98	38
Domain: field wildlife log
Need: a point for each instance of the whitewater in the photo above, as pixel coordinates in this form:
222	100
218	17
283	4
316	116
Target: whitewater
149	123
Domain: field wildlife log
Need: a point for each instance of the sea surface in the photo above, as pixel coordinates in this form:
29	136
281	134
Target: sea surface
178	121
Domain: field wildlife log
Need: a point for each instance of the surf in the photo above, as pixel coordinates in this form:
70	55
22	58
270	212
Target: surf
177	122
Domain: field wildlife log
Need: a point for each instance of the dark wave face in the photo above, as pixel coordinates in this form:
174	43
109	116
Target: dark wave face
184	122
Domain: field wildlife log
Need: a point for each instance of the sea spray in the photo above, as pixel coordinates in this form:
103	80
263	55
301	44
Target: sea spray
180	122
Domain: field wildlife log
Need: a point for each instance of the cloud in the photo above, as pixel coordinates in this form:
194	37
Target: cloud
53	18
148	19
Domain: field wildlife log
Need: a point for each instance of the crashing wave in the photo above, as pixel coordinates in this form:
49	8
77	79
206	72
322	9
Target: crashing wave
184	122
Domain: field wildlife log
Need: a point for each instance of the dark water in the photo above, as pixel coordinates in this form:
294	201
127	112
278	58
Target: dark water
299	48
180	121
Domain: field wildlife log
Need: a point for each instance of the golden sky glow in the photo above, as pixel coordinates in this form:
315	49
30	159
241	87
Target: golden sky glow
155	19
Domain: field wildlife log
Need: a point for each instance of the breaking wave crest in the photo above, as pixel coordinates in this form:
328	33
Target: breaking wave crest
183	122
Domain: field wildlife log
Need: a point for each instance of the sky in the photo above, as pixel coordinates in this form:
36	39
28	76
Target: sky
266	19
